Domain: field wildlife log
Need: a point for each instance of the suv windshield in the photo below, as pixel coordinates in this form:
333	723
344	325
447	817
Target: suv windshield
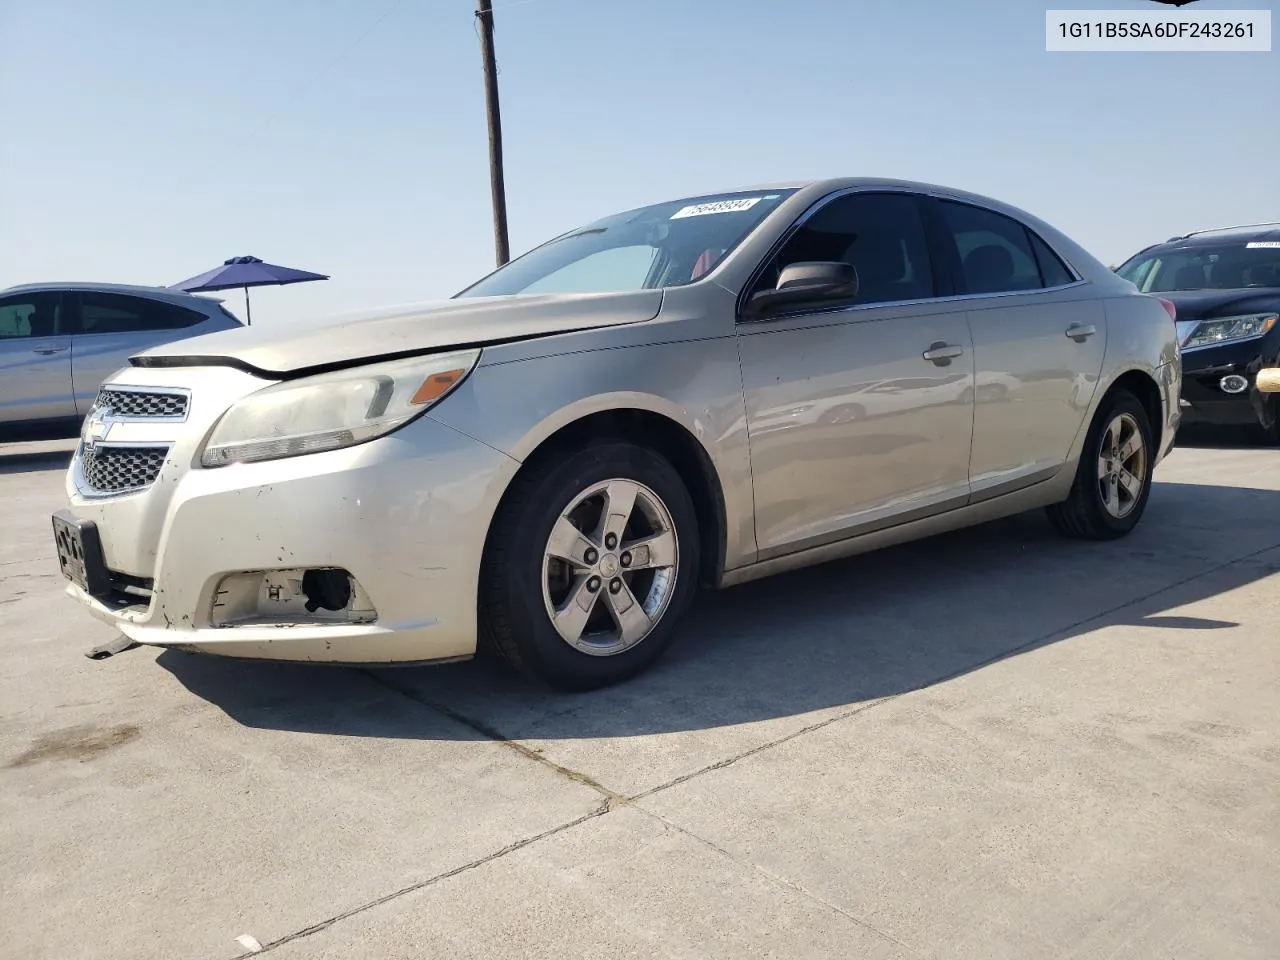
664	245
1251	264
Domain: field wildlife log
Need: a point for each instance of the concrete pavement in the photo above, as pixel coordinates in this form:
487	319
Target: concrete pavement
993	744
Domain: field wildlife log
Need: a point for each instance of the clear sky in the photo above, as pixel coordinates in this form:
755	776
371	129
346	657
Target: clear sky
148	140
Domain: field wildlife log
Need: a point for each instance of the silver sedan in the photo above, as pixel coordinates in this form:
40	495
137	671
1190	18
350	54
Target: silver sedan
693	393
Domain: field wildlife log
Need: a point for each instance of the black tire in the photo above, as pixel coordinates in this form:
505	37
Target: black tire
514	619
1270	426
1084	514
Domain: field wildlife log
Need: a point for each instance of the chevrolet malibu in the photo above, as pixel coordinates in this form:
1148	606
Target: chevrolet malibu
549	464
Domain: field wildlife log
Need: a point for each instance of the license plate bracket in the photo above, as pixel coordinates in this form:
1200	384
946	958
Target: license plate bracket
80	553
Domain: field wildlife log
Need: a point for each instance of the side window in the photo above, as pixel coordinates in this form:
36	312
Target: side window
30	315
118	313
882	235
994	252
1052	270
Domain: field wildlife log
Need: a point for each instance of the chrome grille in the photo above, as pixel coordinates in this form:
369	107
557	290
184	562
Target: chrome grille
120	469
142	403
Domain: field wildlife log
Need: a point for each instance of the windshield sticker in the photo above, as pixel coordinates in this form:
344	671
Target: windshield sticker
1263	245
716	206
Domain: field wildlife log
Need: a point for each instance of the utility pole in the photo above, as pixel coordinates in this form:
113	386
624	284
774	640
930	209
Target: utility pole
484	14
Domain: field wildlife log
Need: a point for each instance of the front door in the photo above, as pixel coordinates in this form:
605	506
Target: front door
35	359
859	416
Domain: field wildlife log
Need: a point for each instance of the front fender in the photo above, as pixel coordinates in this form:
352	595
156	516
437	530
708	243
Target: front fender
516	407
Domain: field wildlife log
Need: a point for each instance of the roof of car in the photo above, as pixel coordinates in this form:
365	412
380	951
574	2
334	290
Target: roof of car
162	293
1217	235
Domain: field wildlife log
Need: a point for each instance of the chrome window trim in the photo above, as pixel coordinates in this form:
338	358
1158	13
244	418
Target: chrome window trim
919	301
823	201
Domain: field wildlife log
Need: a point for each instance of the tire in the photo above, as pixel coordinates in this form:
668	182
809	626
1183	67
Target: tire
1270	428
526	578
1086	514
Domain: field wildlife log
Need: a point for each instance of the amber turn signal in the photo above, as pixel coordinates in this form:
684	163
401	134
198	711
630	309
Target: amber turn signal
437	385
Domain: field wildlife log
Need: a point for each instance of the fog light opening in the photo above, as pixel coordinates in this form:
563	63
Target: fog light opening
300	596
1233	383
326	590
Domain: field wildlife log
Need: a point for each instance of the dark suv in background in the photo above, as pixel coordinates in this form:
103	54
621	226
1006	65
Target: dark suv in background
1225	286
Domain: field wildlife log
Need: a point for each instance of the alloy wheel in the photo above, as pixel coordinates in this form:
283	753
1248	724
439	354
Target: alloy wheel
610	566
1122	466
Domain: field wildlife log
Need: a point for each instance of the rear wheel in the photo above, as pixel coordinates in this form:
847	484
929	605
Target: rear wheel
1113	479
590	564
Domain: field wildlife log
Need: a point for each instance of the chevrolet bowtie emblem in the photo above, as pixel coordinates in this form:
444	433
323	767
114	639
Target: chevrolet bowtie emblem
96	427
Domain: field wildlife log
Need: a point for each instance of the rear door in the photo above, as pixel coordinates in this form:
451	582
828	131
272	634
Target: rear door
859	415
35	359
1038	342
110	327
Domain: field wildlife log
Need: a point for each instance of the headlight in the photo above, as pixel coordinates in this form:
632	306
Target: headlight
333	410
1244	327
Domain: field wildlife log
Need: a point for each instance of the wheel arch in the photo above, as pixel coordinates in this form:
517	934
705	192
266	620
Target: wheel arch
660	432
1143	385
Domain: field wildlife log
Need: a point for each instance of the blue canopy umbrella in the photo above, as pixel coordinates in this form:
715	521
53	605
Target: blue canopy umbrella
246	272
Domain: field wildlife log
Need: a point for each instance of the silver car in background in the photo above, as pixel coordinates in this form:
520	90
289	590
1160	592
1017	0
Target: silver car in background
59	341
699	392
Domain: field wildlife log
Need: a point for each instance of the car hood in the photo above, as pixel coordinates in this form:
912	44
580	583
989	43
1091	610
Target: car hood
351	339
1202	304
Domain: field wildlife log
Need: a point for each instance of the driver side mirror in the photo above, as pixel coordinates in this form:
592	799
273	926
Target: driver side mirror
811	282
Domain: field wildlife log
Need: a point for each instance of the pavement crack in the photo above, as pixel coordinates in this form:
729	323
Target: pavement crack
760	748
782	881
315	928
612	797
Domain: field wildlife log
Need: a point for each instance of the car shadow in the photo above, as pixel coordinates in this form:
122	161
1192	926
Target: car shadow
1229	437
32	461
830	636
66	429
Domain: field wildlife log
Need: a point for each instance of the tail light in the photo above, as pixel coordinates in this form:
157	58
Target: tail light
1169	308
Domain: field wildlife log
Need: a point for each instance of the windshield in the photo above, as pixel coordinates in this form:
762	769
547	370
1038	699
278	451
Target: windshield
664	245
1253	264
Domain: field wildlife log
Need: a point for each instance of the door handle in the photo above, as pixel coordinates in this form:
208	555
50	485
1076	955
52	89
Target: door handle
942	353
1080	333
49	351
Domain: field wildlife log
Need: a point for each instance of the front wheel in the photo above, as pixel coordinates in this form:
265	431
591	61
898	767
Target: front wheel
591	562
1113	479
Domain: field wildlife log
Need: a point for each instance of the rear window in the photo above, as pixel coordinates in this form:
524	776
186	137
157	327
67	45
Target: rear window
113	313
1227	267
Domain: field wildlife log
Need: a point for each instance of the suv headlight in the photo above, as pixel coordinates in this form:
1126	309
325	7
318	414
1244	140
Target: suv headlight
333	410
1244	327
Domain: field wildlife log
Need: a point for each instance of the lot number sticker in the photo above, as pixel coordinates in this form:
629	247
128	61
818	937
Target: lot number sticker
716	206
